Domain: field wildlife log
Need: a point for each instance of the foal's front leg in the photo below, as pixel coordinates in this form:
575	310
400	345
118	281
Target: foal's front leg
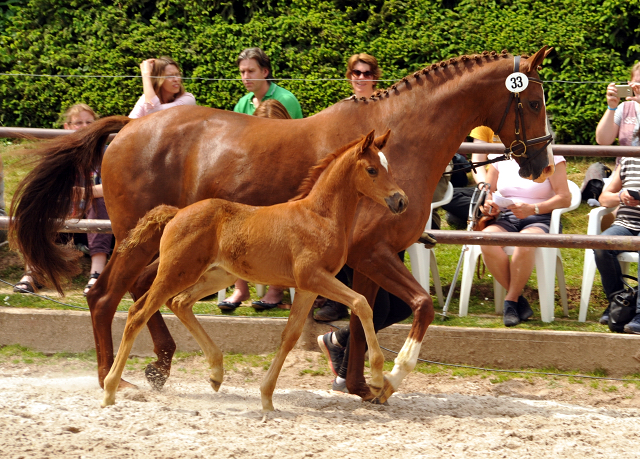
302	303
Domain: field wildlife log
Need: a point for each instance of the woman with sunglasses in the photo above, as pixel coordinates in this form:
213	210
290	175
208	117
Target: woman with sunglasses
162	87
363	73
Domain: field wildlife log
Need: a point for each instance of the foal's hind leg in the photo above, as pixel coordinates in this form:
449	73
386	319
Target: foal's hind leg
182	304
299	311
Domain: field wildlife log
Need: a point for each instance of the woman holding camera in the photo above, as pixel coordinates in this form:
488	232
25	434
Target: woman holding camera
620	120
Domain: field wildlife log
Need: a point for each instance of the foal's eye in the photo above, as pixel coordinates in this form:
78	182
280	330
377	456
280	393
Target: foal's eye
535	105
372	171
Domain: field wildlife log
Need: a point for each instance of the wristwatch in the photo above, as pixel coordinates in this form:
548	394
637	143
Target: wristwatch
536	209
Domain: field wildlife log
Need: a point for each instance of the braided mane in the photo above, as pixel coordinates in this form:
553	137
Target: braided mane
315	171
485	55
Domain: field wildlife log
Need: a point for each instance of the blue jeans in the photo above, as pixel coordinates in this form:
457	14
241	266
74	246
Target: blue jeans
609	266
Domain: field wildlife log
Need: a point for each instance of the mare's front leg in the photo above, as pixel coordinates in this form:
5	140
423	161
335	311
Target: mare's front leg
182	304
105	295
300	308
164	346
390	273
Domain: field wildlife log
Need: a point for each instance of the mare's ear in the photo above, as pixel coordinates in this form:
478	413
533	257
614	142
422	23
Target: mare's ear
366	142
533	62
381	141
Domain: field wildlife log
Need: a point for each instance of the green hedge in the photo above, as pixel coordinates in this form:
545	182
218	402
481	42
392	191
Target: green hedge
593	40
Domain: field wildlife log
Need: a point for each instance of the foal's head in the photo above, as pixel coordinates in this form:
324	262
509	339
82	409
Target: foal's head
373	176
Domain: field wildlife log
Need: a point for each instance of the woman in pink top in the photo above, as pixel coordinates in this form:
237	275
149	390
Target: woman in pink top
527	211
162	86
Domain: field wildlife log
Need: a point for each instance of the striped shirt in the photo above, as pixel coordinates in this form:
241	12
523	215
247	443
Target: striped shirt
629	216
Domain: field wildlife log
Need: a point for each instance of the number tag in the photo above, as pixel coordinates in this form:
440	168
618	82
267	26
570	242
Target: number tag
517	82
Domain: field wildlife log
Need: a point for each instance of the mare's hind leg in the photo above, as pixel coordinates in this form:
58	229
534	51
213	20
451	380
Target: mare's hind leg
164	346
182	304
299	311
105	295
390	273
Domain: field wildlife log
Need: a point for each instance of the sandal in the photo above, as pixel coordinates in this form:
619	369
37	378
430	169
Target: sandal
24	286
92	280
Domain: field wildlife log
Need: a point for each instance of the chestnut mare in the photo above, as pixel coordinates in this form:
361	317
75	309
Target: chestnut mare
186	154
208	245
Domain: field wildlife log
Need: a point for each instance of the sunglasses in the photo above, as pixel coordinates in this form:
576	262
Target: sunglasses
358	73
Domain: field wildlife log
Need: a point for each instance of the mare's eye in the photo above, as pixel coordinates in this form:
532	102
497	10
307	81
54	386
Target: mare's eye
372	171
535	105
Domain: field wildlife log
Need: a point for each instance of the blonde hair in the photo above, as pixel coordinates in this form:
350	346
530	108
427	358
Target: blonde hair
158	79
635	69
365	58
272	108
75	110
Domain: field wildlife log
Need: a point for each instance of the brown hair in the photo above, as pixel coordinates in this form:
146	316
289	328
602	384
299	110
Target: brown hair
75	110
365	59
272	108
157	75
260	57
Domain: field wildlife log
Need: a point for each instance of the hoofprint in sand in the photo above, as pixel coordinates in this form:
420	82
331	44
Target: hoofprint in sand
54	411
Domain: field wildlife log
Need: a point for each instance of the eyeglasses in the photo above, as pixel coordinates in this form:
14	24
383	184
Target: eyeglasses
359	73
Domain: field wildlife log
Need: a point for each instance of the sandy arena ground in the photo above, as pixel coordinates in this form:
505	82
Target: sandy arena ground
53	411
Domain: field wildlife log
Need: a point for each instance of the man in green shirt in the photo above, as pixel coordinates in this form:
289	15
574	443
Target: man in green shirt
255	70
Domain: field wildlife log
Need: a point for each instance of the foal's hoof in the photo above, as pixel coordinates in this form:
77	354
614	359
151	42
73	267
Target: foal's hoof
215	384
126	385
384	394
376	401
428	240
155	377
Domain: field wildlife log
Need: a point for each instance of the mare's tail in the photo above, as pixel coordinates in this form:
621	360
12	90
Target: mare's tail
44	198
154	220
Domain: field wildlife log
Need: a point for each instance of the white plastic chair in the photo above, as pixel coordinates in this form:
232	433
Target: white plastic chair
422	258
548	263
589	270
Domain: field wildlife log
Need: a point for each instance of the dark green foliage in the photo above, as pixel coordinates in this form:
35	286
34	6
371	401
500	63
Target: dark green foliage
593	40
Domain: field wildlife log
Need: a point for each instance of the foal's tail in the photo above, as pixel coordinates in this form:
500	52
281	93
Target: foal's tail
154	220
44	198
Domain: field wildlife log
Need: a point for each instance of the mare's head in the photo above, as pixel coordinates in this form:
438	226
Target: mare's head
523	126
373	176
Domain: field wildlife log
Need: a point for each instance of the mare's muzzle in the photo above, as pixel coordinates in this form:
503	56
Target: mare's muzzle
397	203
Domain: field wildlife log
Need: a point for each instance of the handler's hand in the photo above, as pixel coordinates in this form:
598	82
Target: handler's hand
146	67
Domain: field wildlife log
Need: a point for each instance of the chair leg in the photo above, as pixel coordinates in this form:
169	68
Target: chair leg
437	285
562	286
470	260
498	296
588	275
222	294
546	273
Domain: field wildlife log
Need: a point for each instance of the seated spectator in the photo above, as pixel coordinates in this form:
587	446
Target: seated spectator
529	213
256	74
621	121
162	87
76	117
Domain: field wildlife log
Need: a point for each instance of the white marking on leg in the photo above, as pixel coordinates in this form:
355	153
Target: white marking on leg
405	362
383	161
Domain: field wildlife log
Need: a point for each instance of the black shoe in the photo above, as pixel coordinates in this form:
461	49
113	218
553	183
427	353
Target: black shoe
510	316
262	306
331	311
228	306
333	352
604	320
633	326
524	310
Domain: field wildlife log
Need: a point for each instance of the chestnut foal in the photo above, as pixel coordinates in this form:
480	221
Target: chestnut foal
211	243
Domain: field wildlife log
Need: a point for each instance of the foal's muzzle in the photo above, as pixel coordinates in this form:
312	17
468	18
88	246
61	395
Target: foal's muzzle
397	203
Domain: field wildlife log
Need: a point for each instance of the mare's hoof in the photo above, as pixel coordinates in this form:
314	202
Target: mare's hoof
155	377
428	240
215	384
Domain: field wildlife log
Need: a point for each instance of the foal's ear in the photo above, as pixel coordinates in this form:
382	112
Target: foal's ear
366	142
533	62
381	141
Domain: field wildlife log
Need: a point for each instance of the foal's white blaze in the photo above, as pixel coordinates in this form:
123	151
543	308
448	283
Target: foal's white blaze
405	362
383	161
